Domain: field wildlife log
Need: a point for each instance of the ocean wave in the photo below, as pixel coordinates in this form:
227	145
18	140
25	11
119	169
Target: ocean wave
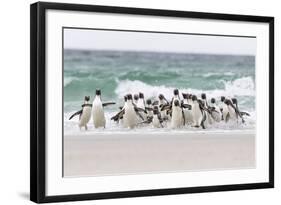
244	86
68	80
207	75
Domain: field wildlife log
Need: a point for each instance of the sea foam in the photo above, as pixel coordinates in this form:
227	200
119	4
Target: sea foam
244	86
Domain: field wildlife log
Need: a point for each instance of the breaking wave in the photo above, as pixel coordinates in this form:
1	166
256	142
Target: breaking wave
240	87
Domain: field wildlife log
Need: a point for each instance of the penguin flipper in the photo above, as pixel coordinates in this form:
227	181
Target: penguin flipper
137	109
77	113
183	105
139	114
108	103
166	107
149	108
156	102
118	115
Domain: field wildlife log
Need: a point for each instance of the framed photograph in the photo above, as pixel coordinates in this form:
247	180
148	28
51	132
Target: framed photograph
129	102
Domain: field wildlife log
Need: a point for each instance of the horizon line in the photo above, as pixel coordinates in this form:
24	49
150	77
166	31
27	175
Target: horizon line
153	51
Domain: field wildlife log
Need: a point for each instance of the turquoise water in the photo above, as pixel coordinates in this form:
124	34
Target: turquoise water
117	73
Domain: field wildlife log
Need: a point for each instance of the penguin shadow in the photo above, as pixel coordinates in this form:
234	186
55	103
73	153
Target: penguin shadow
24	195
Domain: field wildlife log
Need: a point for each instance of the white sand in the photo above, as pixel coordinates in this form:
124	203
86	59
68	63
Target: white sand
135	153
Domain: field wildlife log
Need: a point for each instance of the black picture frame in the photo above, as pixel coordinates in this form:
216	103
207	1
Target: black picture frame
38	101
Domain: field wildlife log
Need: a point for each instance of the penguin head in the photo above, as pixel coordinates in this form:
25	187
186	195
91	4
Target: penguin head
129	97
176	92
213	100
98	92
185	95
189	96
87	98
148	102
194	98
161	97
141	96
234	100
136	97
227	101
203	96
222	98
177	102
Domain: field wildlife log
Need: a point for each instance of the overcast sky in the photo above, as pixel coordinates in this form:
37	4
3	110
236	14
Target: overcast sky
141	41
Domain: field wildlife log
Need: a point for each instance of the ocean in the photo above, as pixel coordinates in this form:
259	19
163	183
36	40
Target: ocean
118	73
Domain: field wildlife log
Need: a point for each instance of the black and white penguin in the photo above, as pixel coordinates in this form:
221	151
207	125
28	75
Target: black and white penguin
209	119
163	103
204	99
149	108
156	119
131	113
215	110
97	110
176	95
230	113
223	107
141	101
84	113
136	99
187	112
198	113
177	119
141	105
235	103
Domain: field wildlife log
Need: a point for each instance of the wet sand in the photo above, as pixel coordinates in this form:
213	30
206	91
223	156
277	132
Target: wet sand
137	153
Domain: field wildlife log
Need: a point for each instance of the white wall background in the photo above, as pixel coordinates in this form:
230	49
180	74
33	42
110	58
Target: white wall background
14	103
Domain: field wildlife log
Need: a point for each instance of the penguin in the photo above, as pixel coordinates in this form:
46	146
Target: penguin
141	104
163	102
187	112
235	103
230	113
131	113
223	108
136	99
97	110
199	115
157	120
84	113
177	119
204	99
209	119
176	95
149	108
215	111
221	103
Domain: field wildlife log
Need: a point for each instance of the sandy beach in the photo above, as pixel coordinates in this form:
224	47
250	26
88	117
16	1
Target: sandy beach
136	153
